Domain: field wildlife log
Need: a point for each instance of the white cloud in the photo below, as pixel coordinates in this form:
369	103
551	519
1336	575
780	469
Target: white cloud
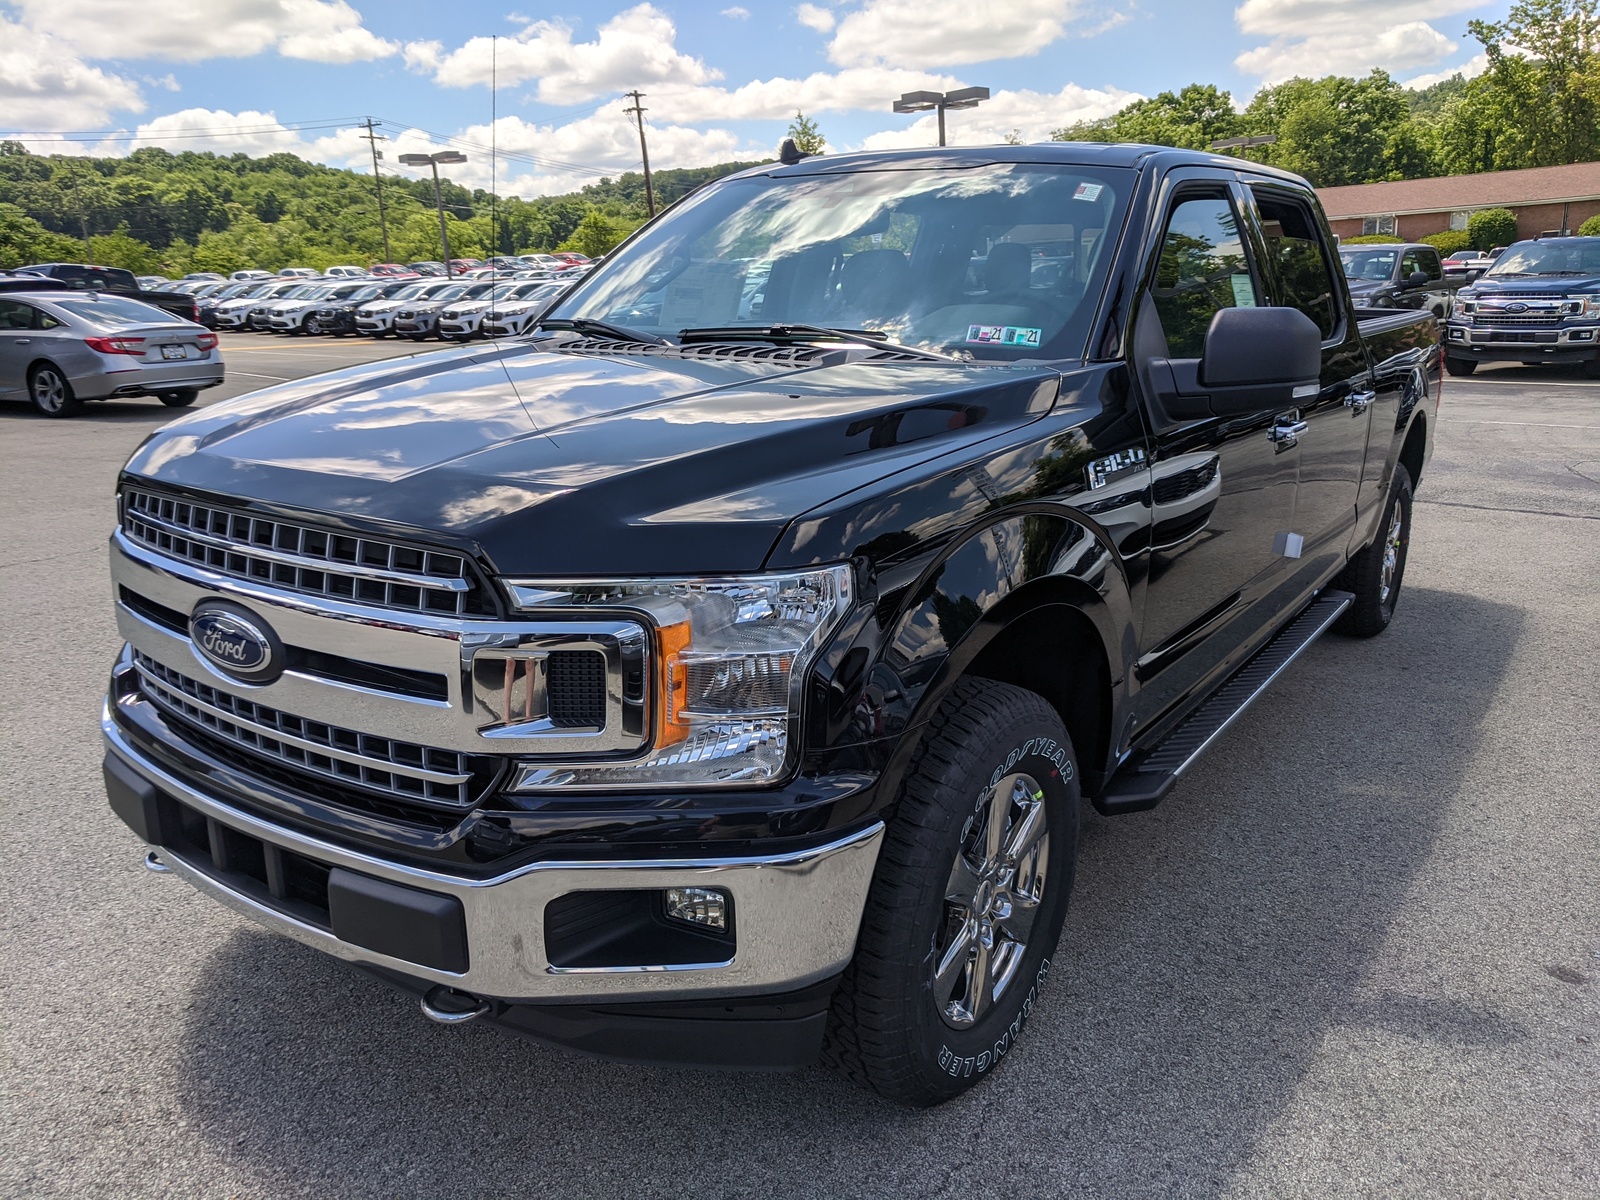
935	33
737	13
773	99
1302	18
43	85
423	56
815	17
191	30
1034	116
634	49
1346	37
1394	48
1471	69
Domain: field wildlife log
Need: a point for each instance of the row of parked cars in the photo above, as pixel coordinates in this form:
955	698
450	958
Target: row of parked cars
494	299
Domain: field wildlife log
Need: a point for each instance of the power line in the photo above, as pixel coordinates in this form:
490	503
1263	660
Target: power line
638	110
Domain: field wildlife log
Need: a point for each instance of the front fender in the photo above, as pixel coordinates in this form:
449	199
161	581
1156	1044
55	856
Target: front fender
905	655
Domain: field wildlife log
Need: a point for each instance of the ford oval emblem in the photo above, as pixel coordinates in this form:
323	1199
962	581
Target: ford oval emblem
236	642
1516	307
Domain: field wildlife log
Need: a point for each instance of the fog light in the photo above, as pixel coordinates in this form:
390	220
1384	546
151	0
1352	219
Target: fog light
706	907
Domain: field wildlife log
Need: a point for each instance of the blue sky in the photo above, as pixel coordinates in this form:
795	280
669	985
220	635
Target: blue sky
721	79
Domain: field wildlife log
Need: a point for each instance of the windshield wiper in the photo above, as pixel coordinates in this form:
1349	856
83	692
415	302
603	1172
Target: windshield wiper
874	338
602	329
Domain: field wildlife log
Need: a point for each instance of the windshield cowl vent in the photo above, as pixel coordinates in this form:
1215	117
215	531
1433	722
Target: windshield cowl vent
784	356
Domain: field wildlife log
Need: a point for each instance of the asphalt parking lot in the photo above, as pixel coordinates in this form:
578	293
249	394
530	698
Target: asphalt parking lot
1357	953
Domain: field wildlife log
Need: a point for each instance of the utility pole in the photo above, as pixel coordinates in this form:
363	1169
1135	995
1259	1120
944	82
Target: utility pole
383	220
637	111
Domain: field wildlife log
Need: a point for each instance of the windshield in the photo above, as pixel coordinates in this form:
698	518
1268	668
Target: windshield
1564	256
114	311
367	293
1368	264
1002	261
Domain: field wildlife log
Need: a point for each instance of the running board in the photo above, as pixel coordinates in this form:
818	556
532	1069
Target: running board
1148	775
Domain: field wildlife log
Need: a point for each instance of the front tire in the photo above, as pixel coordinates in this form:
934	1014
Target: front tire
967	903
1459	366
1374	575
50	392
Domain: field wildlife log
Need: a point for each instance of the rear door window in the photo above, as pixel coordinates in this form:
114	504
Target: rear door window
1298	261
1203	269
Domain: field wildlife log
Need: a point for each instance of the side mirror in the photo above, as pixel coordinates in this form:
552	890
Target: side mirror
1416	281
1261	347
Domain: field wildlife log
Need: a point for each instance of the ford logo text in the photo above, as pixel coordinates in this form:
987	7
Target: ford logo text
230	640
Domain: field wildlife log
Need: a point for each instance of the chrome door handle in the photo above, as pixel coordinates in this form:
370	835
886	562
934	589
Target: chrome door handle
23	341
1286	431
1359	402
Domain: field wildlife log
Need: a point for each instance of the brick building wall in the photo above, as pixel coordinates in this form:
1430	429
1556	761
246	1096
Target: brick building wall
1532	220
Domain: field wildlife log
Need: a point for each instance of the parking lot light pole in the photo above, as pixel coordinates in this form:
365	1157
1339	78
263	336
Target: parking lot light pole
913	102
433	160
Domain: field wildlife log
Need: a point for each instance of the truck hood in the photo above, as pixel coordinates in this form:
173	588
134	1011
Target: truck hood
563	463
1539	285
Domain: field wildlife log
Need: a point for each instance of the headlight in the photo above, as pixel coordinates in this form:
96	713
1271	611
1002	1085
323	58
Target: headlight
1588	306
728	665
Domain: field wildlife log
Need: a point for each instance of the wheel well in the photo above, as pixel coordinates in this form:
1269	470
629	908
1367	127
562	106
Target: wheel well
1411	454
1056	652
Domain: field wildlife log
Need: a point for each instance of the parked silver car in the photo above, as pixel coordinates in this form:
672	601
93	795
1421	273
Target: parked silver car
59	349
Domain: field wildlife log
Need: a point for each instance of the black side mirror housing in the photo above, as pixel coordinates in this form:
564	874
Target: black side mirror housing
1261	347
1416	281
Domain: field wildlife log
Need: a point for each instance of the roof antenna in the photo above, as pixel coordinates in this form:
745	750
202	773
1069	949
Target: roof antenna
789	153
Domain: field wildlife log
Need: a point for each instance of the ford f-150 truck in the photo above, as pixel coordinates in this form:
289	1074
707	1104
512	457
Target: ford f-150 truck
1539	303
687	687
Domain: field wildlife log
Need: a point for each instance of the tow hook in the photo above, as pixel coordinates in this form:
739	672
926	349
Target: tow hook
153	864
447	1006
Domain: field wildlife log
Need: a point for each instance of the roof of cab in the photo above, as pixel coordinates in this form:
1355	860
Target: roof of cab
1121	154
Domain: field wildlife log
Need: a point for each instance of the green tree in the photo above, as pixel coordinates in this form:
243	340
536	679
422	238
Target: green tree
1192	117
807	137
1492	227
1591	227
596	234
1449	241
119	249
1338	130
1543	82
23	241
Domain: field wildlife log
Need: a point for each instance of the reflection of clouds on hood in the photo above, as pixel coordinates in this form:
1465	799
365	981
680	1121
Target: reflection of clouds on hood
500	500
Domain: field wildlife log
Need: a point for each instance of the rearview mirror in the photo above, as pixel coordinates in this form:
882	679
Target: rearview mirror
1255	347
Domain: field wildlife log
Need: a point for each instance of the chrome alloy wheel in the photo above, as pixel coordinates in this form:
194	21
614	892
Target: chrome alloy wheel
49	389
1391	555
991	900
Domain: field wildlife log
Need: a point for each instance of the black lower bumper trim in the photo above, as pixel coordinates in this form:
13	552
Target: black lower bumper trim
751	1033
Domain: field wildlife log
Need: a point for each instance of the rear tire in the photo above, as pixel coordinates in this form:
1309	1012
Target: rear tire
1459	366
1374	575
50	392
179	398
967	903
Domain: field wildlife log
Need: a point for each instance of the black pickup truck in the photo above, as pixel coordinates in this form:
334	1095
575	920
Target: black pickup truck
688	685
115	280
1398	276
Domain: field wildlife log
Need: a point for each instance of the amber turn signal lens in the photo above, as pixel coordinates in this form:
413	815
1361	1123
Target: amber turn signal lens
671	683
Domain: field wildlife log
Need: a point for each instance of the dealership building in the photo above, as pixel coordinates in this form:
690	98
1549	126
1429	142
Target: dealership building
1546	200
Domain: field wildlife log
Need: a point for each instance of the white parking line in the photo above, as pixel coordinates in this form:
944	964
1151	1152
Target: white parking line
253	375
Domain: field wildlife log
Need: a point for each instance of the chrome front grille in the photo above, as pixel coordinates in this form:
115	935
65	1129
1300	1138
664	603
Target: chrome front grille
303	558
1548	320
401	772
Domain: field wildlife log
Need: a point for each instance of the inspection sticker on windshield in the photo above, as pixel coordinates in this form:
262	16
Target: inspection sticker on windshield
1003	335
1088	191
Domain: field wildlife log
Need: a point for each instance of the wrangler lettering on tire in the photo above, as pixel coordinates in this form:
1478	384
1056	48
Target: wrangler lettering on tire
968	902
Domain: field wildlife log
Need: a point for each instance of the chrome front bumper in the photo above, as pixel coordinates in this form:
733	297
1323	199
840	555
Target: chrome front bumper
797	913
